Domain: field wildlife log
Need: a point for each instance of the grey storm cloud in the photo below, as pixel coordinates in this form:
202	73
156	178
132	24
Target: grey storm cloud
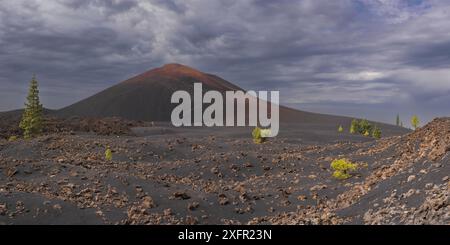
367	58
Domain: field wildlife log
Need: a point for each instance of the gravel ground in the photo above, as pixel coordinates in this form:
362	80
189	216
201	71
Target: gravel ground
163	175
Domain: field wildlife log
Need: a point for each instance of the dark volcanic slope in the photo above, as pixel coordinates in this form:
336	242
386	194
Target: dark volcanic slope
147	97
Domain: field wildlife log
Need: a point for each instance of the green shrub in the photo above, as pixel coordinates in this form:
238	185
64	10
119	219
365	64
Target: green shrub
260	135
341	175
12	138
342	168
108	155
265	133
340	129
256	135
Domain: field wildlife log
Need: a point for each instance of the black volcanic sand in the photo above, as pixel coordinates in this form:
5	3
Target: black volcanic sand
166	175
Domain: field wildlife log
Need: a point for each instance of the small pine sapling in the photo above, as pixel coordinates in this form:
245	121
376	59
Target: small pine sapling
108	155
354	126
415	122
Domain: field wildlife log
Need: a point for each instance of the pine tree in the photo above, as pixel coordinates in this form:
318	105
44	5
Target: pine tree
415	121
31	123
376	133
397	122
354	126
365	126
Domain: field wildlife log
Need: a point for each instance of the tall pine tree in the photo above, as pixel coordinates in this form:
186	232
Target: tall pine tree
31	123
397	122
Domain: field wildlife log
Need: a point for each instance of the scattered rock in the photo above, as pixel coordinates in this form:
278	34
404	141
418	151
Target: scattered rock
191	220
147	202
3	209
215	170
11	172
411	178
302	198
223	200
57	207
167	211
318	187
193	206
181	195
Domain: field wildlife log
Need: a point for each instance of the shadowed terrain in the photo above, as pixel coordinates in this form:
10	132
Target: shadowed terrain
165	175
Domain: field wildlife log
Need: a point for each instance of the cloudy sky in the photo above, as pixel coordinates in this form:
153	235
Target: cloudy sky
365	58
